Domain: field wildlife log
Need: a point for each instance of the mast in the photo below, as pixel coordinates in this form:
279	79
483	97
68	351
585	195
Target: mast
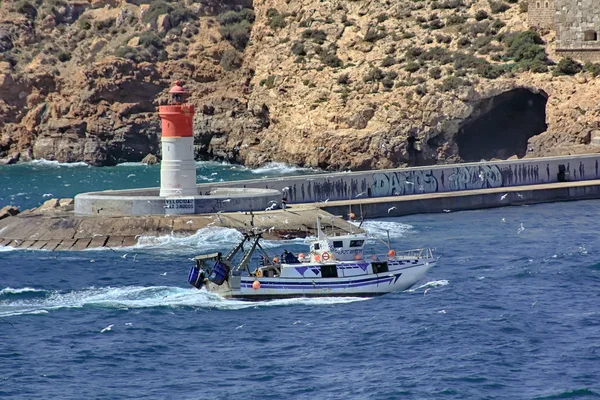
320	234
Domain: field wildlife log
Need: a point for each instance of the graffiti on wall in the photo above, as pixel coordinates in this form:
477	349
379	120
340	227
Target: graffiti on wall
406	182
475	177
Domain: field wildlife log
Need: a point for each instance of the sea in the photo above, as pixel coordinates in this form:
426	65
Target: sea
511	310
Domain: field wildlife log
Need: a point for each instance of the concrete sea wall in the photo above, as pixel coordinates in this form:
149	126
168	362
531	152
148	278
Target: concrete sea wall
421	180
247	195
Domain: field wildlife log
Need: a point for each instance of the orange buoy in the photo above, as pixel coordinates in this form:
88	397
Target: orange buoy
317	258
351	215
256	285
357	256
275	260
392	253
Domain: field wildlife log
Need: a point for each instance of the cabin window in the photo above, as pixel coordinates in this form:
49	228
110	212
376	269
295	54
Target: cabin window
329	271
380	267
316	246
356	243
590	36
338	244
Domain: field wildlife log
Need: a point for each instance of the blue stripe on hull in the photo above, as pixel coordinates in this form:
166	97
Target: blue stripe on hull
320	285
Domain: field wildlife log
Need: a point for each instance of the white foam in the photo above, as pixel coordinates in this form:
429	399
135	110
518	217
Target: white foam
208	238
432	284
378	228
132	297
132	164
49	163
9	290
279	168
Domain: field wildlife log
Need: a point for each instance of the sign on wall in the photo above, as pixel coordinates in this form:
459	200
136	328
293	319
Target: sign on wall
180	205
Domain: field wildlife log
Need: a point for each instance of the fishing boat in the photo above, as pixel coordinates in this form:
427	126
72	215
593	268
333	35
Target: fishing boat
334	265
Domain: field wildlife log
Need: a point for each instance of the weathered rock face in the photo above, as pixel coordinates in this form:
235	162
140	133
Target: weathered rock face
335	85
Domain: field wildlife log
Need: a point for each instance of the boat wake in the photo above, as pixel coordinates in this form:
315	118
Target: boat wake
30	301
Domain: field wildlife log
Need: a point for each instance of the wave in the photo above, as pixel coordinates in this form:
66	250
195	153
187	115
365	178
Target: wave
51	163
378	228
432	284
132	164
207	238
279	168
9	291
136	297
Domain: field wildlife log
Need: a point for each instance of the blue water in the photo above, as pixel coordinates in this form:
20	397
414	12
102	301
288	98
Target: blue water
504	315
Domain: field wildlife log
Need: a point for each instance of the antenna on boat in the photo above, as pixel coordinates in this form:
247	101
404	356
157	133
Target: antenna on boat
387	231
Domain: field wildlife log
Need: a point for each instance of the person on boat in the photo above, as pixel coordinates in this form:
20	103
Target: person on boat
289	258
284	199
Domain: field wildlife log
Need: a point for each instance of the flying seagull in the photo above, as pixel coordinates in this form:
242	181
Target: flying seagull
503	196
392	208
108	328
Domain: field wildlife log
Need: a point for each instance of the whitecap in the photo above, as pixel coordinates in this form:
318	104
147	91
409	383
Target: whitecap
52	163
379	228
431	284
279	168
207	238
9	290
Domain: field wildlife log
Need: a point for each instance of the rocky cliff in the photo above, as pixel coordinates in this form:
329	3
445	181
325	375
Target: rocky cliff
333	84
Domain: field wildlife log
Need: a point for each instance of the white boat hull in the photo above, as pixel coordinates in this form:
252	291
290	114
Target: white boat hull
368	284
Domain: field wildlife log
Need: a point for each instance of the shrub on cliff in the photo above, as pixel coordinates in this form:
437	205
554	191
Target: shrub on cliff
276	19
235	17
525	48
298	49
63	56
481	15
452	83
331	59
230	60
26	8
593	69
568	66
236	26
237	34
316	35
157	7
498	6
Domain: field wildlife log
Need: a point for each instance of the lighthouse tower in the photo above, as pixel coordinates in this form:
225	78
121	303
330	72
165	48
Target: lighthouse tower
177	168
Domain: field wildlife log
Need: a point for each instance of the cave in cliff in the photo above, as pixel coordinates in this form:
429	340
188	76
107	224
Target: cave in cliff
500	126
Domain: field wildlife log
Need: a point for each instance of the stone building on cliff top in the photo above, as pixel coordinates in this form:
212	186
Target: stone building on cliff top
577	24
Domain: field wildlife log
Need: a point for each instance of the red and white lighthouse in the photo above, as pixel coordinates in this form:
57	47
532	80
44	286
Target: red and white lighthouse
177	168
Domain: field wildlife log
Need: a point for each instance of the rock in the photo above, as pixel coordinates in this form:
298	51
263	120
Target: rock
12	159
150	159
8	211
49	205
163	23
134	42
66	202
